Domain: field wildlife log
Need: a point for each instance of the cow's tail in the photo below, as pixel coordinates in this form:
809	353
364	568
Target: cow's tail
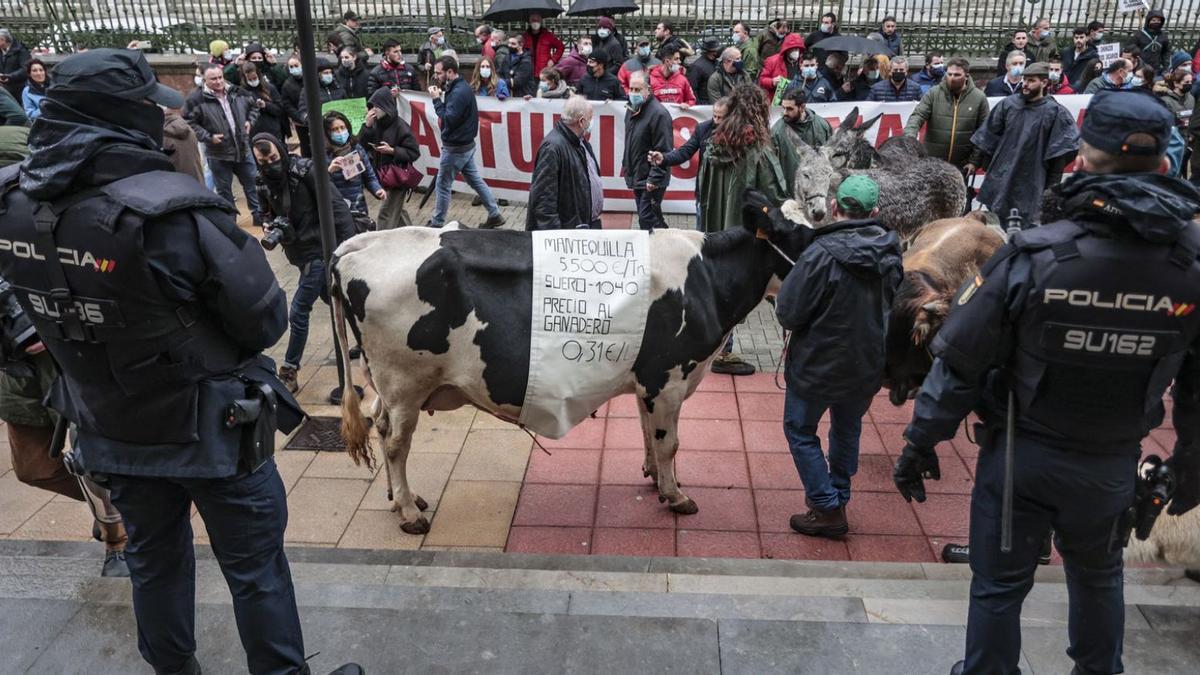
354	427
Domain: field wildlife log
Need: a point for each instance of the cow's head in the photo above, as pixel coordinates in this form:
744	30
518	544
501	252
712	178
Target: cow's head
788	234
917	313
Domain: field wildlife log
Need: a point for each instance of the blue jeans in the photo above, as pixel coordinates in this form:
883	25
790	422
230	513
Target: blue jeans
452	164
311	287
245	516
649	208
223	171
826	483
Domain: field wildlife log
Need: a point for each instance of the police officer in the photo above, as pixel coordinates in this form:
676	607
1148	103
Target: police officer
156	308
1086	321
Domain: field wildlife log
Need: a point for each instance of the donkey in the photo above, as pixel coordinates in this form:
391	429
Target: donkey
913	190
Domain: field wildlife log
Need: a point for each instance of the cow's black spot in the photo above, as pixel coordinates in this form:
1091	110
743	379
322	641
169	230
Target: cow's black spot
649	401
356	297
660	434
490	274
724	284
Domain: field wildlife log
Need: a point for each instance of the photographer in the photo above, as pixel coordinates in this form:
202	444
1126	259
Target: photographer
288	188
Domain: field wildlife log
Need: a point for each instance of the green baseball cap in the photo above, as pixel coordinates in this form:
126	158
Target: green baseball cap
858	193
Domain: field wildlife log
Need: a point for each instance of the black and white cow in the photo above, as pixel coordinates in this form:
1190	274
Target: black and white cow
443	317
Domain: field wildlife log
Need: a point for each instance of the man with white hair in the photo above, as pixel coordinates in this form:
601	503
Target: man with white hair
565	191
647	128
1010	82
14	56
730	72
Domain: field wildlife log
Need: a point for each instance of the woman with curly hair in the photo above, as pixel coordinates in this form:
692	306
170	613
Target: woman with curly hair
739	156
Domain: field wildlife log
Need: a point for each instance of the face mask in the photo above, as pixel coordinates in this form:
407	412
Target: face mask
1055	76
1045	34
340	137
227	55
673	68
603	33
898	76
252	83
543	86
826	28
738	66
591	125
485	73
1099	37
636	100
809	72
738	38
644	52
198	80
1136	82
347	63
478	40
780	33
872	75
441	40
939	68
272	172
585	50
1016	71
295	71
326	79
535	25
794	55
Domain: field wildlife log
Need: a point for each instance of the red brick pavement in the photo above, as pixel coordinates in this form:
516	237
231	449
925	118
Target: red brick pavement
589	495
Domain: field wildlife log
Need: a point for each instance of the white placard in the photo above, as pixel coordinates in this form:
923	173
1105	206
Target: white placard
1126	6
1109	53
591	292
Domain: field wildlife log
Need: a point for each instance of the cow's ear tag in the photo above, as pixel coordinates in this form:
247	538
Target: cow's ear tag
761	234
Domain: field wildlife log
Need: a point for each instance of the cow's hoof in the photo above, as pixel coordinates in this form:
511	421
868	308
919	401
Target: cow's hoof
422	505
418	526
686	507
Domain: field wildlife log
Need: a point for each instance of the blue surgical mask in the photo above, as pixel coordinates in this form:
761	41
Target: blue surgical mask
809	72
603	33
295	71
326	79
1055	75
636	100
644	51
340	137
826	28
1016	71
872	74
543	86
1099	37
738	38
485	73
1046	34
1136	82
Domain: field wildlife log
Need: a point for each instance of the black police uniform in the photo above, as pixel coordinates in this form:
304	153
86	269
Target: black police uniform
156	308
1088	320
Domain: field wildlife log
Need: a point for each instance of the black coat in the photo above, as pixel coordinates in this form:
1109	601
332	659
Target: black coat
698	73
205	115
1002	67
354	83
648	129
837	301
12	64
560	192
403	77
614	46
605	88
522	81
292	94
272	117
305	246
389	128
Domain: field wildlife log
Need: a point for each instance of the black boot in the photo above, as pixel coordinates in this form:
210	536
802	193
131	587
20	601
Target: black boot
192	667
115	565
958	668
349	669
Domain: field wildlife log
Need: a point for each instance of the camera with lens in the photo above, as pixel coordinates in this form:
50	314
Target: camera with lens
16	330
278	231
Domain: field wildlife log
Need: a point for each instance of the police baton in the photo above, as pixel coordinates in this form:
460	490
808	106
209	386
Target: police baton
1014	228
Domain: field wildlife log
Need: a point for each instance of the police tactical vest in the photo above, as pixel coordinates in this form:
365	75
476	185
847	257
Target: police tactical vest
1103	331
131	357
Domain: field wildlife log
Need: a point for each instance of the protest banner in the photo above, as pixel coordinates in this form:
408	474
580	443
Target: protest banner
1126	6
1109	53
511	131
355	110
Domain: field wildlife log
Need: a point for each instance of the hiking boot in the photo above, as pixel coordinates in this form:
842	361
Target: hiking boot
115	565
476	201
731	364
818	523
493	222
502	202
287	375
956	553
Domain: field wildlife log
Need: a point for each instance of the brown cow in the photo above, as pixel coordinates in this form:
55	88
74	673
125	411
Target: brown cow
944	254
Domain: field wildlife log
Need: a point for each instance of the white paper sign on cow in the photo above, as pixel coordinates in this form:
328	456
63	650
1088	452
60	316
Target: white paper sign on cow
591	293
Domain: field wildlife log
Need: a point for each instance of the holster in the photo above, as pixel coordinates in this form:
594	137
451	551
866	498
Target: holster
256	416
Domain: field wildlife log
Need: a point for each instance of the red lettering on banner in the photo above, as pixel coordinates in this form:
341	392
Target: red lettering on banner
690	168
888	126
608	143
516	146
487	143
424	134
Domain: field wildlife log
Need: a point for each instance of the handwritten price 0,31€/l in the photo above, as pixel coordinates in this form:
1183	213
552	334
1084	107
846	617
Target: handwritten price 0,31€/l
591	351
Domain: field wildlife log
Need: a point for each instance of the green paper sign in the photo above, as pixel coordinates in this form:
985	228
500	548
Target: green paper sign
355	110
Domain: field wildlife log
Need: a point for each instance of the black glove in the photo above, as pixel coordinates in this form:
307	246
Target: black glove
915	465
1185	464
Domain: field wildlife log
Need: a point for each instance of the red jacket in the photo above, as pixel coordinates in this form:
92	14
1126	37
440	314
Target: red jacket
1064	89
548	48
671	89
776	66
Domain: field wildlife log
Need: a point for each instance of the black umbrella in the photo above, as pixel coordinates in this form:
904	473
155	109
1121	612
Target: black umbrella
519	10
853	44
601	7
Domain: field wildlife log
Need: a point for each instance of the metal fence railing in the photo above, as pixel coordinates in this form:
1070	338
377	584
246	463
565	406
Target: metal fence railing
968	27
